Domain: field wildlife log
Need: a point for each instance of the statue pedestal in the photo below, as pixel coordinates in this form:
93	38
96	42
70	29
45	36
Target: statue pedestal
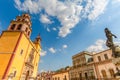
116	61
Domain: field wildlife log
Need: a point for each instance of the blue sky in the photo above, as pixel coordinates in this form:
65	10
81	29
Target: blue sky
67	27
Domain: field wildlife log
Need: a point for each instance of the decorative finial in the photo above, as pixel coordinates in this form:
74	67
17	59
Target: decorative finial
38	38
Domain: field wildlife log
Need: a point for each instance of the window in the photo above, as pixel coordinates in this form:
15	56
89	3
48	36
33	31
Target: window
23	20
26	29
13	27
99	58
86	76
90	59
14	73
28	33
111	72
18	19
58	78
104	74
92	75
55	78
65	78
19	27
80	76
106	57
21	52
24	15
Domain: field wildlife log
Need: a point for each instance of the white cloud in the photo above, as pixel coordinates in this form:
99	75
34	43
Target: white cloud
98	8
68	12
114	2
48	29
45	19
43	53
28	5
52	50
117	0
98	46
54	29
64	46
117	42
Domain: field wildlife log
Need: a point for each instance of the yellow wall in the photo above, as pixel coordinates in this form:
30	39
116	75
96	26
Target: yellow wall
4	59
19	60
8	41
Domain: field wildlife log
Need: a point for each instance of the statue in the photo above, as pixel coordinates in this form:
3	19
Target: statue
109	42
109	35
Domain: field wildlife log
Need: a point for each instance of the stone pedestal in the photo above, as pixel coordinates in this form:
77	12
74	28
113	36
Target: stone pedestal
116	61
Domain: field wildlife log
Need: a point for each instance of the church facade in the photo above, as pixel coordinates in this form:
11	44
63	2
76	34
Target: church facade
19	56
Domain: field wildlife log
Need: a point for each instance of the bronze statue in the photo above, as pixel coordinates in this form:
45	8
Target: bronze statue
109	42
109	35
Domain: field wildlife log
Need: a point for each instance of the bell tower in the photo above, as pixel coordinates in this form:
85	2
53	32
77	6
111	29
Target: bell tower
21	23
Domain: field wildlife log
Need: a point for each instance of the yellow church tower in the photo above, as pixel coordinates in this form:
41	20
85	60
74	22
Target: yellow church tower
19	56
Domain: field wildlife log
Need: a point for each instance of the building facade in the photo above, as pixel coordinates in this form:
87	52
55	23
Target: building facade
46	75
104	65
61	75
83	67
92	66
19	56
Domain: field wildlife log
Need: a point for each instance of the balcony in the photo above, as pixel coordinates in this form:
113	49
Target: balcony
29	64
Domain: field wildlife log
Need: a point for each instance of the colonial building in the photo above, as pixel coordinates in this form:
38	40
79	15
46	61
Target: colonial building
19	56
46	75
92	66
83	67
62	74
104	66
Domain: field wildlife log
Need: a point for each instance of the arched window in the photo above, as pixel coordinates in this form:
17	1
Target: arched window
19	27
28	33
111	72
14	73
65	78
27	75
26	29
86	76
55	78
58	78
13	26
18	20
23	20
104	74
24	15
80	76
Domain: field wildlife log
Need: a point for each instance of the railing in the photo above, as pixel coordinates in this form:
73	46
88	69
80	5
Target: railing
29	64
